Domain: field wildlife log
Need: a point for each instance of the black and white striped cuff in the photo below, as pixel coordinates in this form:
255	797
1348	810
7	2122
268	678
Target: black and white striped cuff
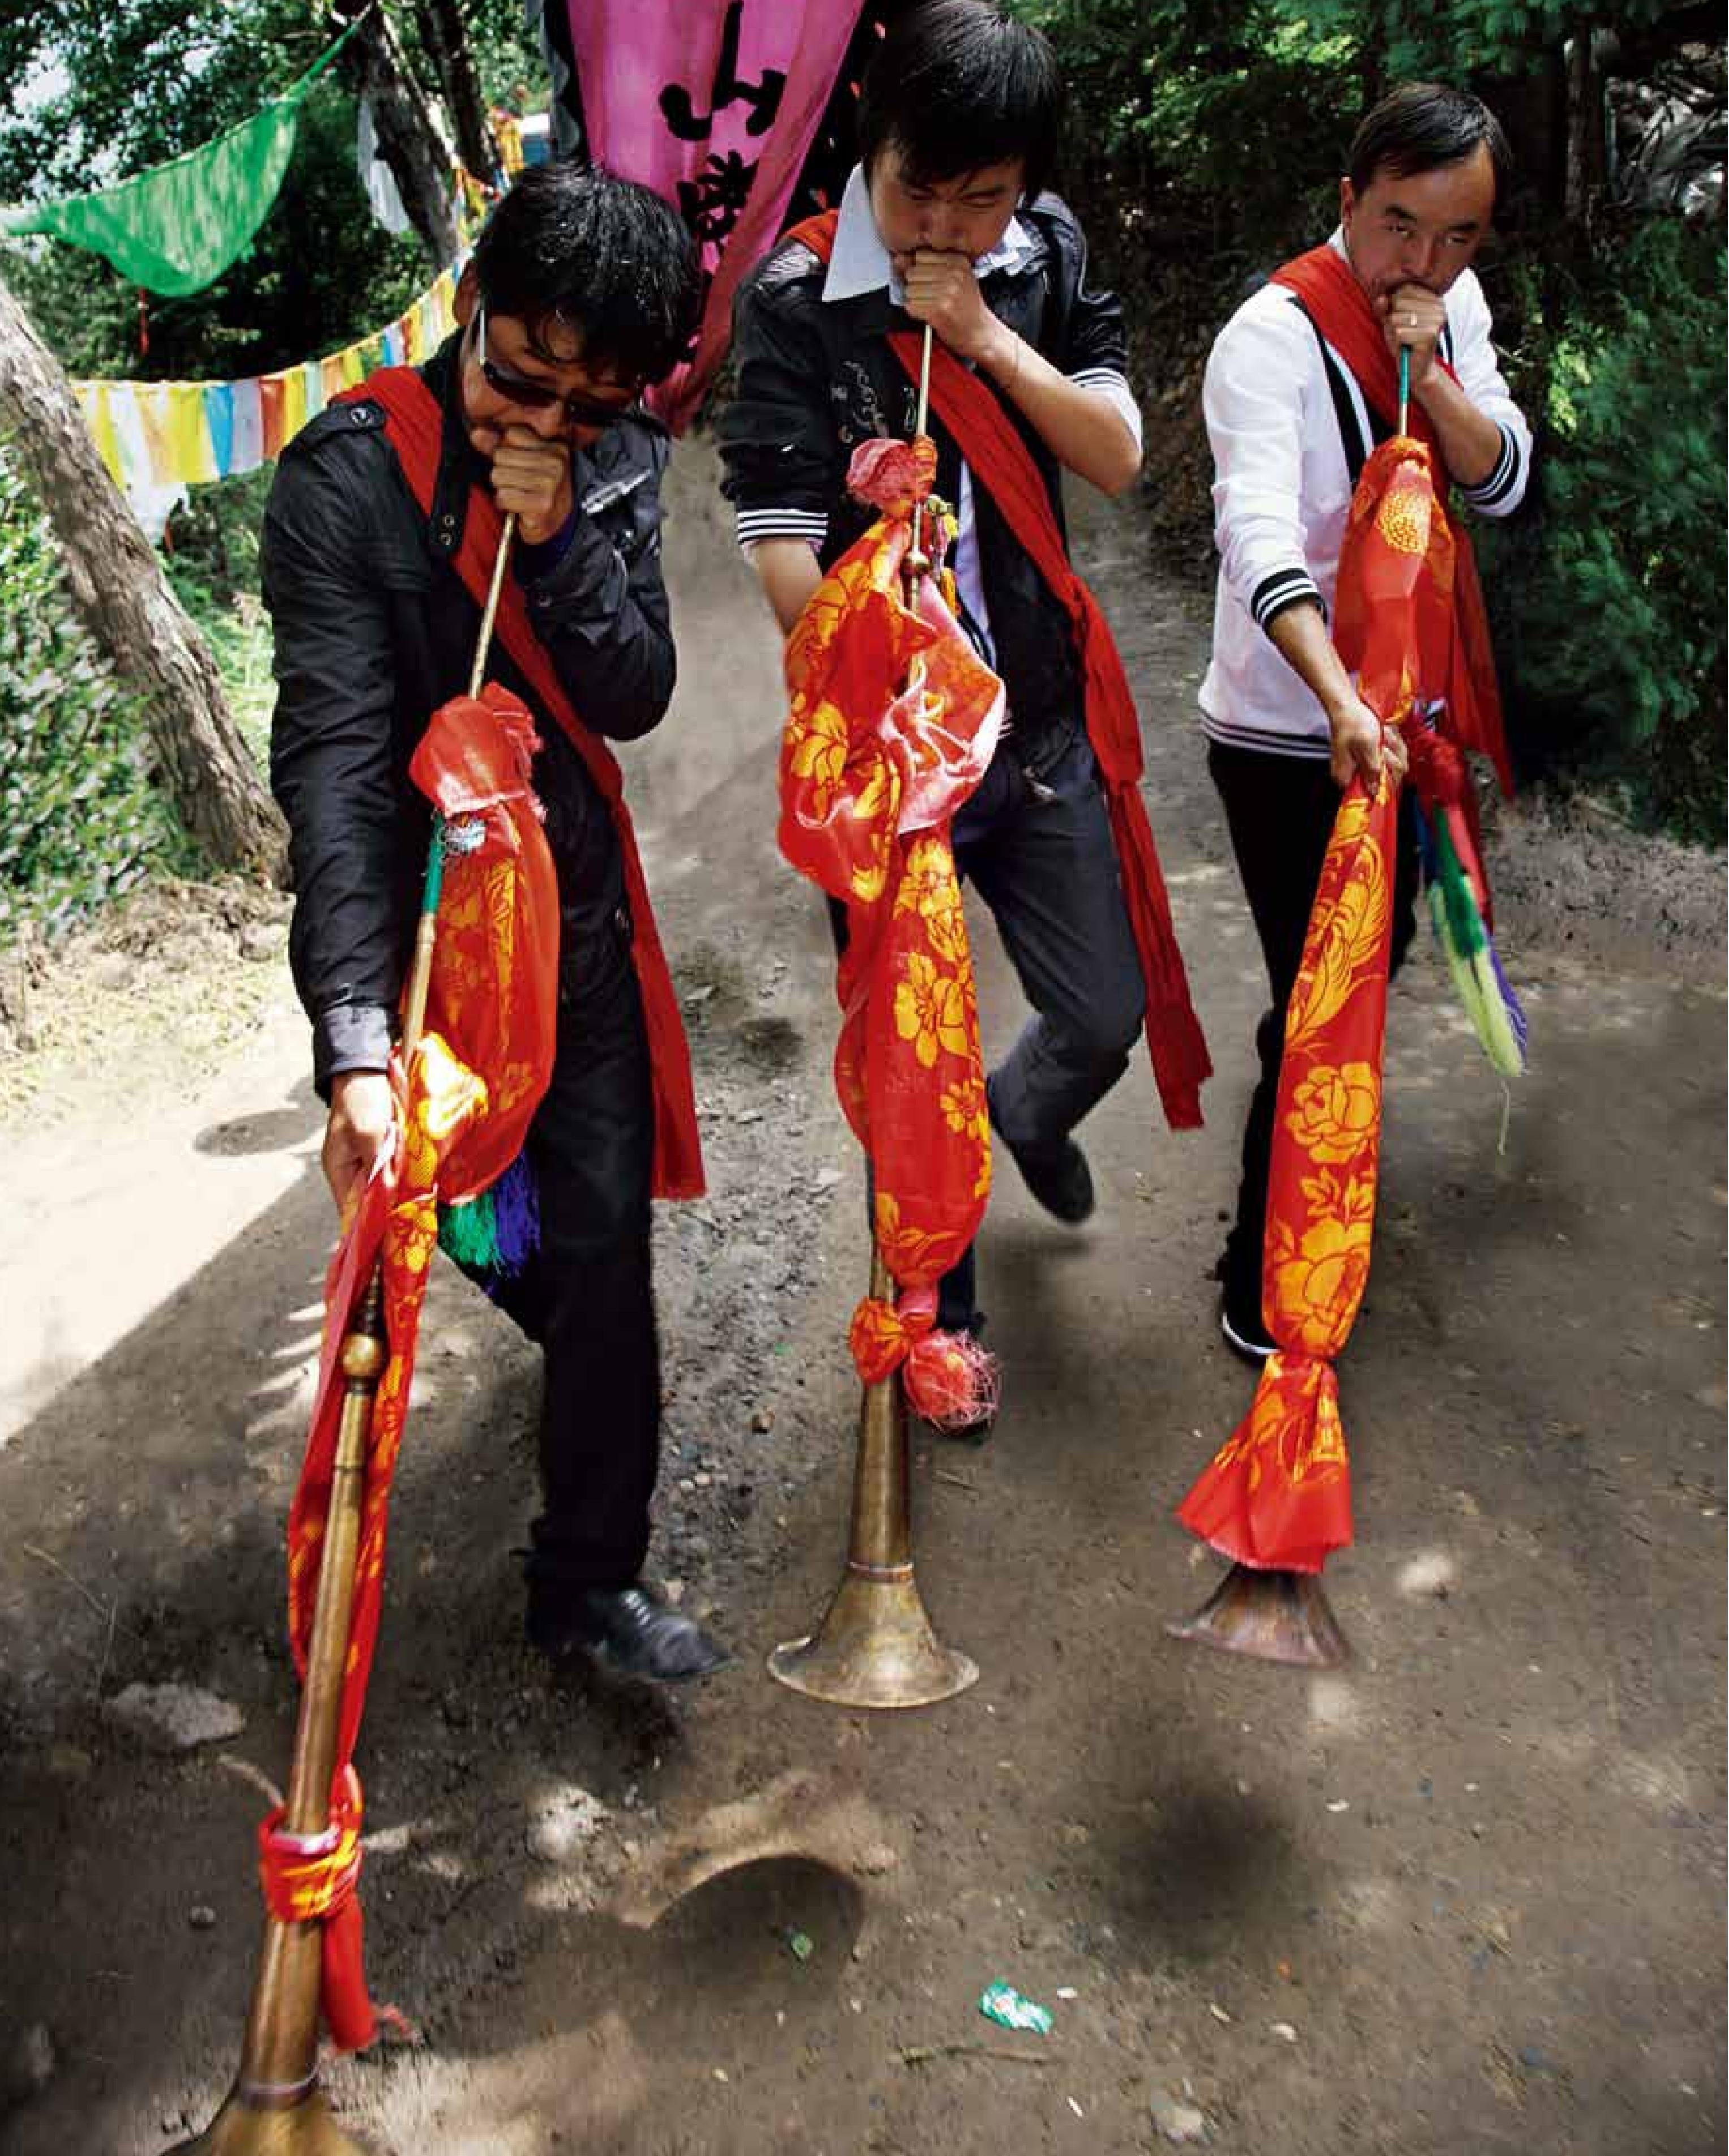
1502	479
751	526
1284	587
1266	740
1116	387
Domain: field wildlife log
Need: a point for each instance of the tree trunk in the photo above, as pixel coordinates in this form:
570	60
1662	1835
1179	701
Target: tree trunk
446	40
1584	127
125	602
410	138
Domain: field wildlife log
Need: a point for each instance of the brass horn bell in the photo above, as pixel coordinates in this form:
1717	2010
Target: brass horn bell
875	1646
1274	1616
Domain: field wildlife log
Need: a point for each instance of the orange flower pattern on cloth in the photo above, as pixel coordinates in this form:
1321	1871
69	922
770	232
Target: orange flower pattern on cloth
892	723
393	1226
479	1072
494	993
1278	1492
931	1011
1332	1110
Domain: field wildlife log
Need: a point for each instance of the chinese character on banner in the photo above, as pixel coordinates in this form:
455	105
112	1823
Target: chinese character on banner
763	97
713	103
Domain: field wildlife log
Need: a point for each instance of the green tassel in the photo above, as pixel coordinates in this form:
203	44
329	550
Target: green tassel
1494	1023
468	1233
1478	990
1464	932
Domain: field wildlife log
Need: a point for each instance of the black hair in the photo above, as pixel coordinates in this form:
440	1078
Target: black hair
1422	125
575	245
957	84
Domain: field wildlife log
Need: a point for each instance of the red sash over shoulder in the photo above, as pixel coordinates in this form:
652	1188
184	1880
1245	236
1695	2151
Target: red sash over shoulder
1340	309
415	422
996	453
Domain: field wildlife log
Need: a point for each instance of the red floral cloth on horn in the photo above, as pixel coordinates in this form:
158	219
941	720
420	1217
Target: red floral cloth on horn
1278	1493
415	422
992	447
892	721
481	1070
494	993
394	1226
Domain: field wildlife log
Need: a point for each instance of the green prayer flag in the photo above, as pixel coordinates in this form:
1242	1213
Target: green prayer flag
174	228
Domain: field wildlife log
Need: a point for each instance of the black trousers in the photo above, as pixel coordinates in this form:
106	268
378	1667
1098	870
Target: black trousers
1036	842
1281	810
587	1296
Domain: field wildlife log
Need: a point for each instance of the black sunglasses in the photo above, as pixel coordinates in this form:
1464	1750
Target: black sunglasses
540	396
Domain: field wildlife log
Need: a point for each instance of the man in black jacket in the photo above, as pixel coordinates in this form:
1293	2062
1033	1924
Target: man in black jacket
944	224
579	293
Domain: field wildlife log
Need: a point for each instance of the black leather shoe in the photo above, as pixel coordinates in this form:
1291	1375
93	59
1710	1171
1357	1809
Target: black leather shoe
1063	1183
629	1632
1059	1179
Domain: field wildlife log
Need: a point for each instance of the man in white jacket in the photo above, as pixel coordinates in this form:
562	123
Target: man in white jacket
1290	428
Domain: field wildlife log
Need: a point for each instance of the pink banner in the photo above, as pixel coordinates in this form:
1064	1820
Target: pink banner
713	103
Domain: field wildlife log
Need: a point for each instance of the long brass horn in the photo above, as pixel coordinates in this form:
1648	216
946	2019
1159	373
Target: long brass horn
875	1646
276	2107
1275	1616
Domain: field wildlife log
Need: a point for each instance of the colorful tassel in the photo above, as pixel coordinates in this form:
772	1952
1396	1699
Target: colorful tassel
1484	989
493	1236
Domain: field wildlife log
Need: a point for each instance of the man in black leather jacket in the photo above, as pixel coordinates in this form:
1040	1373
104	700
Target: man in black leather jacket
944	224
579	293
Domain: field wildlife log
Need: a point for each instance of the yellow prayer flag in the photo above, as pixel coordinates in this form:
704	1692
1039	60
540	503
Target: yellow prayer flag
189	454
93	402
294	402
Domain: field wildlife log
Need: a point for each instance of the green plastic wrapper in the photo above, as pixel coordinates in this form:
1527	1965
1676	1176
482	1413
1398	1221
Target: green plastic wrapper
1004	2004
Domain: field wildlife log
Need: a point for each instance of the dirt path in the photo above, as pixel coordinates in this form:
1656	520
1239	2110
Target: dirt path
1464	1896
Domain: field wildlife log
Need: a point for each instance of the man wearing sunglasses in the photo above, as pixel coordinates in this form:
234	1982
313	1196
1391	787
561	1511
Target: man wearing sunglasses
580	292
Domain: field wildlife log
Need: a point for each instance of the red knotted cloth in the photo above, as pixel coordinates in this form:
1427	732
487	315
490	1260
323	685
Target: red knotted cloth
1278	1492
1001	461
891	724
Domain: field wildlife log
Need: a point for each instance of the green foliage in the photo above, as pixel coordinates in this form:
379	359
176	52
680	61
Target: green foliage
1165	97
1455	38
212	565
507	54
1610	610
80	821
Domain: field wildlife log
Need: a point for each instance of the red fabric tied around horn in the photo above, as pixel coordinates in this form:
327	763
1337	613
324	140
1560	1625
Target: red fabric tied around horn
892	722
989	443
494	995
313	1882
